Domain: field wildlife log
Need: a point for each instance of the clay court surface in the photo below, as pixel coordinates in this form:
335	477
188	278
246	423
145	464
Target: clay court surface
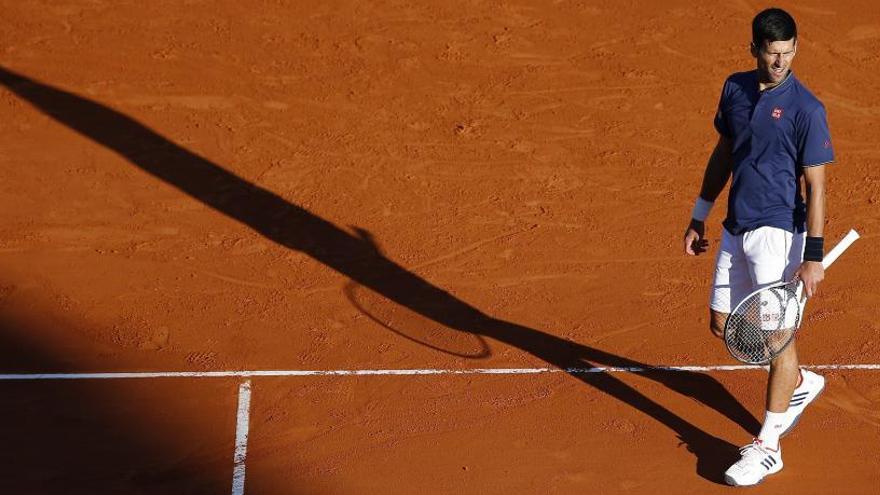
211	186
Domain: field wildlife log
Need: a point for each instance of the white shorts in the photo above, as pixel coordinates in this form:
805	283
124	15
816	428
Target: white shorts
752	260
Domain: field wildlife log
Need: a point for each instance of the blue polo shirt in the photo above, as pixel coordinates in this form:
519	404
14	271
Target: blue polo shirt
775	134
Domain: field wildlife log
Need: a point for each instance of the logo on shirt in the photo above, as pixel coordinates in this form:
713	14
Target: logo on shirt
776	113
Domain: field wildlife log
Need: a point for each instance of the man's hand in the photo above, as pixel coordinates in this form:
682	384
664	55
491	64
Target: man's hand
694	243
810	273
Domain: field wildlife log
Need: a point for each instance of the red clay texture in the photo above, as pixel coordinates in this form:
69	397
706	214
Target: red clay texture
314	185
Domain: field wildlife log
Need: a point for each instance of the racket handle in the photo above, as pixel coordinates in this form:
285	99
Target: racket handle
841	246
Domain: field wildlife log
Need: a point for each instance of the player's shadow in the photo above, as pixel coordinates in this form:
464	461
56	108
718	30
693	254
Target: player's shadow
357	257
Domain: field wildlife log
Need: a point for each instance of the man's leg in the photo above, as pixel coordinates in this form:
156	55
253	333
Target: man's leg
767	251
784	375
730	283
775	255
808	385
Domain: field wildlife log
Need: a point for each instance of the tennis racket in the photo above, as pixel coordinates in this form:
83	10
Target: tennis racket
766	321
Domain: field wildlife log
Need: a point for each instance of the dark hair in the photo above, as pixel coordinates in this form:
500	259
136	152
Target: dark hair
773	25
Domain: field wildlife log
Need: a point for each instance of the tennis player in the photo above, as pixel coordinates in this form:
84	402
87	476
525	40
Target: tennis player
774	143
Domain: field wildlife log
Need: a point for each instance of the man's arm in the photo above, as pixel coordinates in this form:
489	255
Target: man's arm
812	272
714	179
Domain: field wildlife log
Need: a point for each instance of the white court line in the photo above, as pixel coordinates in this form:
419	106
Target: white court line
244	390
368	372
241	437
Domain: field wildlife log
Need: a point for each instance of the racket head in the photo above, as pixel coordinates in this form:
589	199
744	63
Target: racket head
765	323
414	326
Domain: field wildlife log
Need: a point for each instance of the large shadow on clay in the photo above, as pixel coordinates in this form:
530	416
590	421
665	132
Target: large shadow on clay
357	257
89	436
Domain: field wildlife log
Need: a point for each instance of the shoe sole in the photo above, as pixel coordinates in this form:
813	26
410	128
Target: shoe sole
798	417
732	482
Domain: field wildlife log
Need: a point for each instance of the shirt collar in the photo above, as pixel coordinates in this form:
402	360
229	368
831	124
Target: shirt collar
779	88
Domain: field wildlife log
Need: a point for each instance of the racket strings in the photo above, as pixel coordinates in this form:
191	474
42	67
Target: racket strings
764	324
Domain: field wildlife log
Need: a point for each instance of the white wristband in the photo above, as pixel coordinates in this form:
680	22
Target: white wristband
701	209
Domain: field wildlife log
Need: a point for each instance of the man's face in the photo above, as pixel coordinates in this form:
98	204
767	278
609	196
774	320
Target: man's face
774	60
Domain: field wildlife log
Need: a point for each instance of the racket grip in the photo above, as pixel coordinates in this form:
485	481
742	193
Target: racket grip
841	246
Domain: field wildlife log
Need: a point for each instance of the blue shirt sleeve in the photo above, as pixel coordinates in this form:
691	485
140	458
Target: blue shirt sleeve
720	118
814	139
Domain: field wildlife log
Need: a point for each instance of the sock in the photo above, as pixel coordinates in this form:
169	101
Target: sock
773	424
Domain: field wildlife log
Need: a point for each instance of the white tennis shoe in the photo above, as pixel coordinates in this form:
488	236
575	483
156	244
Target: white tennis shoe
757	461
811	386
